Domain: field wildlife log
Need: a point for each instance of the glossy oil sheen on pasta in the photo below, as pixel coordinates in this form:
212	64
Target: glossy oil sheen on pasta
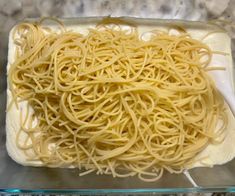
112	102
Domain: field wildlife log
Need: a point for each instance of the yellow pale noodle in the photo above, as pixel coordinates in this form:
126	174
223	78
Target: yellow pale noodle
113	103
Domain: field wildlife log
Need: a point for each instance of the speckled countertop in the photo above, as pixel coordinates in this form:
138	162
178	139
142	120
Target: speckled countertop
12	11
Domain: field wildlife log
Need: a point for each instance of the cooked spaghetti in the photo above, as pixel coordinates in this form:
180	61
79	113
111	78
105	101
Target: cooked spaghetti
112	102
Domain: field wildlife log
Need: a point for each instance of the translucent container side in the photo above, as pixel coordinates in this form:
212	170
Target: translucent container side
15	178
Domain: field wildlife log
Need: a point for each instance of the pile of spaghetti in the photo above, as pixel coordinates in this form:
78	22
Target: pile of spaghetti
112	102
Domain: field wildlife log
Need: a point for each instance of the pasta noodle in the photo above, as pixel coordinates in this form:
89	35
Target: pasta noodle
111	102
